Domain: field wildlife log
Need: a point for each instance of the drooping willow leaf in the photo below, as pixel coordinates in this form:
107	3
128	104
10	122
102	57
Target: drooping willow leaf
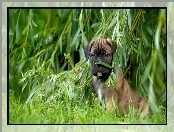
104	64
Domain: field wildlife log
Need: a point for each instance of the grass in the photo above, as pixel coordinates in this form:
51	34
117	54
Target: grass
66	98
66	112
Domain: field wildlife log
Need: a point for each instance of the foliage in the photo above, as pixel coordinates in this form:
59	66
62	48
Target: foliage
51	87
45	45
104	64
59	103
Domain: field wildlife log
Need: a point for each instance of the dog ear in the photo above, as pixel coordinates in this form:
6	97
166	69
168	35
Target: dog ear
112	44
87	50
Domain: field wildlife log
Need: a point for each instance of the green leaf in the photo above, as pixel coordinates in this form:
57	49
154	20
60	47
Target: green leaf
38	54
149	29
104	64
52	60
129	18
75	37
47	88
17	32
134	49
95	25
147	70
34	89
112	22
23	87
60	44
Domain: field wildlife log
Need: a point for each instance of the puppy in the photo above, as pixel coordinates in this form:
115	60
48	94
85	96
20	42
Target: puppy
123	95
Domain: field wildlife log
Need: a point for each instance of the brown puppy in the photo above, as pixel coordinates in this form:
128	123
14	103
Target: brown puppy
123	96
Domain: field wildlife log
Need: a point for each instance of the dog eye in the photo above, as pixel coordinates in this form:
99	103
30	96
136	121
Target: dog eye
107	54
104	52
93	54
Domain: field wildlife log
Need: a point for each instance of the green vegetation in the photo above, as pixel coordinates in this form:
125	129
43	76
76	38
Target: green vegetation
50	80
104	64
66	112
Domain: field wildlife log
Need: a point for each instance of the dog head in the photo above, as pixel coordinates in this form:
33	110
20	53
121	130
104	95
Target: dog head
100	50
